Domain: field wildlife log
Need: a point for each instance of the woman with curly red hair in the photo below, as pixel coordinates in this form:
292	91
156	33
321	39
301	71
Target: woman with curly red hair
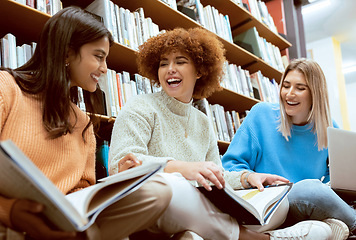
165	127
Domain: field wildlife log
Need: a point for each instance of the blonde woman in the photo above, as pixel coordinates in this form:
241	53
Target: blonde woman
290	140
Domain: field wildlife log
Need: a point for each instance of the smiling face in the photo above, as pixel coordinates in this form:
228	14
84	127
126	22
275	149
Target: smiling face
177	75
86	67
296	97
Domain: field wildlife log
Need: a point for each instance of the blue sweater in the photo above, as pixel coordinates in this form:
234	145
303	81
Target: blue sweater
258	146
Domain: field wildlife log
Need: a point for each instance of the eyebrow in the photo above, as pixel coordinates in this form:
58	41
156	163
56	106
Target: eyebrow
178	57
101	51
299	84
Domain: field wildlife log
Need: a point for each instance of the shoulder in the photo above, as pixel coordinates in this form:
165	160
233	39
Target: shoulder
9	90
144	105
7	82
265	107
142	101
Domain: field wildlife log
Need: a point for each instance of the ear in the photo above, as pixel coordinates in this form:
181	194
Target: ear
198	75
70	56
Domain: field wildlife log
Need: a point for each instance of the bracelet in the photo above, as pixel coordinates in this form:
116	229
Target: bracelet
245	180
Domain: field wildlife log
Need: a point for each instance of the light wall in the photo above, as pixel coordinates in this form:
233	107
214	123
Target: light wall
326	52
351	100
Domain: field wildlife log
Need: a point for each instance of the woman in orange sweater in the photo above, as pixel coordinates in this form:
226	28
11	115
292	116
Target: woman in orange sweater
38	112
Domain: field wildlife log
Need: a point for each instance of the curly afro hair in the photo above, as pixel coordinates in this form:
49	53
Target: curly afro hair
202	46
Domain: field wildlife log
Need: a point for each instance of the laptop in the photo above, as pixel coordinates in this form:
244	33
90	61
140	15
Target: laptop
342	161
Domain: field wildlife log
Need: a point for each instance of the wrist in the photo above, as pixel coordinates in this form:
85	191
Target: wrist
171	166
246	183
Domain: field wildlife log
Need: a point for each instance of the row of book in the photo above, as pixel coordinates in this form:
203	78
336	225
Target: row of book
259	10
251	85
210	18
13	56
118	87
235	79
252	42
128	28
50	7
224	123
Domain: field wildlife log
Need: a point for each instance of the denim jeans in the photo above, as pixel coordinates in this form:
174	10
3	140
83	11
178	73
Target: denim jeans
311	199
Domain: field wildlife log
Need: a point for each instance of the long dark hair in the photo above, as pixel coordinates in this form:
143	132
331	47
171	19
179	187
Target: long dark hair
45	73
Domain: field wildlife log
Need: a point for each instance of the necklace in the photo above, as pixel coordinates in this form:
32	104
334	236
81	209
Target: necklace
186	125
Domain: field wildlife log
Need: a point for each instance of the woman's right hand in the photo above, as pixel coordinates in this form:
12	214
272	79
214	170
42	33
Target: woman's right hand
129	161
202	172
26	216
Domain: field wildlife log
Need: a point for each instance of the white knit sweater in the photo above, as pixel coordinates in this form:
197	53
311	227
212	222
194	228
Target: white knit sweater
157	127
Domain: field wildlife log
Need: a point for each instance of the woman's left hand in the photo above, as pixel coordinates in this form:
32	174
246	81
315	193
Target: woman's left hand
260	179
129	161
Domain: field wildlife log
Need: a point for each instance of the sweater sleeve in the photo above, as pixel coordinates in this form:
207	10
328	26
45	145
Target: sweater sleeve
242	153
5	203
233	178
132	133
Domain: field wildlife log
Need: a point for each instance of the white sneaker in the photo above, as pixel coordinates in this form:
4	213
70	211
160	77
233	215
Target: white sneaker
340	231
307	230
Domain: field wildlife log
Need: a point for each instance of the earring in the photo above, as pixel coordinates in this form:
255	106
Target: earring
67	64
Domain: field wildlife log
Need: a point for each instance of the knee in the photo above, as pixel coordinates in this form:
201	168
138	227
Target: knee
309	189
161	191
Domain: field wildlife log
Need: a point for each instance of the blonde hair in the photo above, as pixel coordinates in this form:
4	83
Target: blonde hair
319	115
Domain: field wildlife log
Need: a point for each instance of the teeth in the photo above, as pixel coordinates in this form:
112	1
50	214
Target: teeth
173	80
96	77
293	103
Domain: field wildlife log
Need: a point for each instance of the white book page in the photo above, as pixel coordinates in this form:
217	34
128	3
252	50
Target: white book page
261	200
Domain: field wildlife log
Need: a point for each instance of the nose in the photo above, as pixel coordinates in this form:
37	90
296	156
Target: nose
103	67
291	91
171	68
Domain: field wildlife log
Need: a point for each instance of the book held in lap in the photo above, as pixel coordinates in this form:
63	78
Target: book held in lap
250	206
21	179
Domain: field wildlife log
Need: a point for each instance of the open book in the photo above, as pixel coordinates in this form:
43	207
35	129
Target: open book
20	178
248	206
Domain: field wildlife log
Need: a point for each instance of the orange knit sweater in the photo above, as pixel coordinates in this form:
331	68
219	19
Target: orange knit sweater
67	161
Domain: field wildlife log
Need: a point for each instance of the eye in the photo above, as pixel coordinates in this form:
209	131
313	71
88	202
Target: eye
162	64
100	57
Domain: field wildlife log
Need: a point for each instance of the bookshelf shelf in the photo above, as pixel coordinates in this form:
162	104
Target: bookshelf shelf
232	100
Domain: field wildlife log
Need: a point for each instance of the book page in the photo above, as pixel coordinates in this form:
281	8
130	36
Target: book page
21	179
262	200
